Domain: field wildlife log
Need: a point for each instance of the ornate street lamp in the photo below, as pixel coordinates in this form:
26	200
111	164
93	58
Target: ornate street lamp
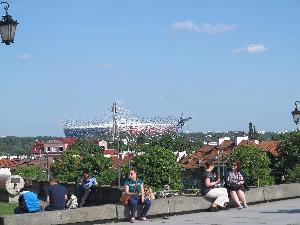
7	26
296	114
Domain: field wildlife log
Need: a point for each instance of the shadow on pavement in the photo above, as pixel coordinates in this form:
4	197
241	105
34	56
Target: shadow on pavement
284	211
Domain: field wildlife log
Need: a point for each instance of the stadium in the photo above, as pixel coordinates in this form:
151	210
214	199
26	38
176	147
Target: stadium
125	123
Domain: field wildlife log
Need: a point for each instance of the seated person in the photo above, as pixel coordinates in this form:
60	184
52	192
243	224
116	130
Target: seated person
148	192
28	199
210	190
56	195
84	189
235	183
71	202
134	187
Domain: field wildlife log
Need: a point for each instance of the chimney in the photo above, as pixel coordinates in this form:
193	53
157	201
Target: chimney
239	139
221	140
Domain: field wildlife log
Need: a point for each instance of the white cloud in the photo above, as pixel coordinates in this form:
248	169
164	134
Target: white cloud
252	49
24	56
207	28
256	48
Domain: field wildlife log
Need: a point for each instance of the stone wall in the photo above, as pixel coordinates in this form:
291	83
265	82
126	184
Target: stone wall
99	195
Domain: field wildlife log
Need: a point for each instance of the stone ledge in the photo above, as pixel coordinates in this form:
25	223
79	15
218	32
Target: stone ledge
80	215
175	205
158	207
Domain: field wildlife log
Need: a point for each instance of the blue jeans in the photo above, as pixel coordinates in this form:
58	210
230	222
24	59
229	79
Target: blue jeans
134	201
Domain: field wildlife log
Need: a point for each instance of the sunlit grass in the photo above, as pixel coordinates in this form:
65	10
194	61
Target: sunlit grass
7	208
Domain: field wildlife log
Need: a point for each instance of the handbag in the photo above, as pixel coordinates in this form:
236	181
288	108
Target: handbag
234	186
124	198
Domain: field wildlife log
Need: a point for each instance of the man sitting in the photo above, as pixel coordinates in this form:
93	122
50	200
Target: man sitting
56	196
28	199
84	189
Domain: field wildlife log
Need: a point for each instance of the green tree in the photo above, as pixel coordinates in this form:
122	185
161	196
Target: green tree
12	145
293	176
253	135
80	156
158	167
118	145
165	141
141	139
289	152
32	172
255	163
176	143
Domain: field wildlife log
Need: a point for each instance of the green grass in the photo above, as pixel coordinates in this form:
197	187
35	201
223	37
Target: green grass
7	208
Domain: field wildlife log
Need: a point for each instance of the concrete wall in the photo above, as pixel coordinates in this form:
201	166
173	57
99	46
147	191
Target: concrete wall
167	206
99	195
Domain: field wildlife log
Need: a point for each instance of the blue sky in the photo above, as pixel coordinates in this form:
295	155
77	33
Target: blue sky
224	63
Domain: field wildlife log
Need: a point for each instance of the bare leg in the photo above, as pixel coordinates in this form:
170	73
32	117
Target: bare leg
242	196
235	198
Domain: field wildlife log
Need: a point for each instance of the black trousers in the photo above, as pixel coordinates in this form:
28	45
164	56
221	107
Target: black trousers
84	193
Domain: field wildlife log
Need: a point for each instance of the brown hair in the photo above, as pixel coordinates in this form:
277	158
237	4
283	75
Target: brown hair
53	179
238	164
208	163
134	170
28	182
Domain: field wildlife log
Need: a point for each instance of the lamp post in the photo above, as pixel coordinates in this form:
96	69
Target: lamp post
296	114
116	136
7	27
41	171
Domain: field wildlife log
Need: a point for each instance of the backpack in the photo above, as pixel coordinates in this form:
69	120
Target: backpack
31	202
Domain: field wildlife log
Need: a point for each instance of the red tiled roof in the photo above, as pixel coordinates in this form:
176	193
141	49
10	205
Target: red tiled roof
117	161
247	143
110	152
37	147
14	163
192	161
270	146
68	140
207	152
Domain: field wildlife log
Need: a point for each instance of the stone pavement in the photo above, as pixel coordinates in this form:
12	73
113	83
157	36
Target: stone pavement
285	212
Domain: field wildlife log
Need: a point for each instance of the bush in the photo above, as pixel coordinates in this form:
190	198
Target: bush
289	152
33	172
255	163
293	176
80	156
158	167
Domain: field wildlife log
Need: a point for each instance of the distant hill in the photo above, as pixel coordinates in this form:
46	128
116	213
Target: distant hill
11	145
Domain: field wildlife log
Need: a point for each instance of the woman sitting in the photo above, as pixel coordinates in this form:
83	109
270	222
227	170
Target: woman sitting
148	193
134	187
235	180
209	189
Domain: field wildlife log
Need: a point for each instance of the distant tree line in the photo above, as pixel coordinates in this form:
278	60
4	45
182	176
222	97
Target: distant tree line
12	145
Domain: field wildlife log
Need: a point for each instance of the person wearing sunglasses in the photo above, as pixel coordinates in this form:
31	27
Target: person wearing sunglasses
148	193
134	187
235	184
209	188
